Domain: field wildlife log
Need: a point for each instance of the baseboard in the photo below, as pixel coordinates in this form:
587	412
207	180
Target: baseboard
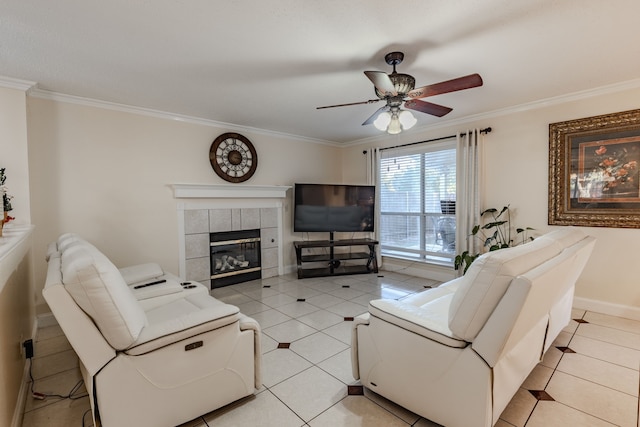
18	412
612	309
22	396
290	269
418	269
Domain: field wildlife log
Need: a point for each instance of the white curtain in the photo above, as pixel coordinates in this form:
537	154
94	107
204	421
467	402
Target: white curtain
469	176
373	166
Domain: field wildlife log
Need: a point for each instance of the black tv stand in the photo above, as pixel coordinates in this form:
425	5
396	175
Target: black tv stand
333	263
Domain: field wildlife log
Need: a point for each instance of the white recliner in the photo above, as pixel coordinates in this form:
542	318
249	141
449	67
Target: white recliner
456	354
157	355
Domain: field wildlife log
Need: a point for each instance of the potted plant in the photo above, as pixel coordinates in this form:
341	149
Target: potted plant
495	234
6	201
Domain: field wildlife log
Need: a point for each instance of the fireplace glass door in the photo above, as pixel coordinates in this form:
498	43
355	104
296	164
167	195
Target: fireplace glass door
235	257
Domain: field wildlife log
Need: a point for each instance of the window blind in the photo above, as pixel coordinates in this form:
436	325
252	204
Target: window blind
413	182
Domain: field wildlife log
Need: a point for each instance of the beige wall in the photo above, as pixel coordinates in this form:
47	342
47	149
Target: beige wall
516	173
13	150
105	174
17	318
16	293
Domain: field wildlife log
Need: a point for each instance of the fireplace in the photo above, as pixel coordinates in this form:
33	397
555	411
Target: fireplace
235	257
206	208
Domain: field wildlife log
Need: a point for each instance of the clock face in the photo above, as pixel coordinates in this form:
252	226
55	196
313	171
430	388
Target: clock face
233	157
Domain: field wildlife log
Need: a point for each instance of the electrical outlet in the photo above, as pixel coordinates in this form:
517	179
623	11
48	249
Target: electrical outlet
28	349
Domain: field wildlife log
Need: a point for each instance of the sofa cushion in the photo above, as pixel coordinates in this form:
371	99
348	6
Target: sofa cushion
98	288
488	278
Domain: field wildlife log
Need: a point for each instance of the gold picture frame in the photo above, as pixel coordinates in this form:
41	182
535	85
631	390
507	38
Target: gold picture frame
594	171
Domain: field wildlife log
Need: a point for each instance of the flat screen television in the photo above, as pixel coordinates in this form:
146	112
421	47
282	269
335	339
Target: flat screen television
333	207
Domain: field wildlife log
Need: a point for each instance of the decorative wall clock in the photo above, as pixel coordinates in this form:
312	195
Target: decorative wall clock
233	157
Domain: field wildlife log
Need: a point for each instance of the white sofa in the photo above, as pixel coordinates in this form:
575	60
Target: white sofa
157	355
456	354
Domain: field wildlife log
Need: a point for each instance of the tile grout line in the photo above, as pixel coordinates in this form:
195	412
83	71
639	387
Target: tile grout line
316	364
552	374
583	379
281	401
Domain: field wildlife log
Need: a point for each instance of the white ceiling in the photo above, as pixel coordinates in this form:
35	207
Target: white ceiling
268	64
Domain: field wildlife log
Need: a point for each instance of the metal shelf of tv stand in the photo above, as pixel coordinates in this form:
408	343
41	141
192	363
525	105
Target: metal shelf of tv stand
330	259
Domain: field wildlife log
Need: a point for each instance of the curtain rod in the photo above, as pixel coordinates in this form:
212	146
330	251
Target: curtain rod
485	130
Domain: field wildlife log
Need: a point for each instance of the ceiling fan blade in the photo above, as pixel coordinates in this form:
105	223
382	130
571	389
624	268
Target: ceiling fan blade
382	82
375	115
371	101
427	107
461	83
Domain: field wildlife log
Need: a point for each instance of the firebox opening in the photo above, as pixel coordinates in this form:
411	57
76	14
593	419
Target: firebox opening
235	257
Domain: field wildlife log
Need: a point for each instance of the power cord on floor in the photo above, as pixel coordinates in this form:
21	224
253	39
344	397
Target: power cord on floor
88	411
43	396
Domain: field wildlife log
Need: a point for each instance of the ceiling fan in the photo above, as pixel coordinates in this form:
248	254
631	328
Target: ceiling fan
397	88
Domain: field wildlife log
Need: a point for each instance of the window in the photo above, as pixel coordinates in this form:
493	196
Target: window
417	190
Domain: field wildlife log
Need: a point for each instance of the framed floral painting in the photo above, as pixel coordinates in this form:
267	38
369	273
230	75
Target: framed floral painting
594	175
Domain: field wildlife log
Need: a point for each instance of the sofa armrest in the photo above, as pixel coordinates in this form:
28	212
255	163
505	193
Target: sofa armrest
151	289
363	319
429	320
141	272
250	324
182	319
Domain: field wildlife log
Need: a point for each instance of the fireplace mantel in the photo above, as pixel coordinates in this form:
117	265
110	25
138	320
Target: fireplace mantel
235	191
206	208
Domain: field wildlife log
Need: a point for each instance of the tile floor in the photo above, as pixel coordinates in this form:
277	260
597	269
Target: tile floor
588	378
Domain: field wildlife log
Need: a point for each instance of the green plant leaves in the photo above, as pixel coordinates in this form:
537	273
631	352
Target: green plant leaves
499	239
493	225
464	259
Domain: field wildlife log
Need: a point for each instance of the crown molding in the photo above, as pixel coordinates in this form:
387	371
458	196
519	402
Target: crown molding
89	102
11	83
32	90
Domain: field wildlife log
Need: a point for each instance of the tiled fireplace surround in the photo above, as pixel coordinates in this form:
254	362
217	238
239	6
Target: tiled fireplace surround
198	223
228	208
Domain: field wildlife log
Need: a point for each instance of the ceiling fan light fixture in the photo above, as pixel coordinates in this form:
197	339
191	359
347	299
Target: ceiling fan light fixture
395	122
394	125
383	120
407	120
